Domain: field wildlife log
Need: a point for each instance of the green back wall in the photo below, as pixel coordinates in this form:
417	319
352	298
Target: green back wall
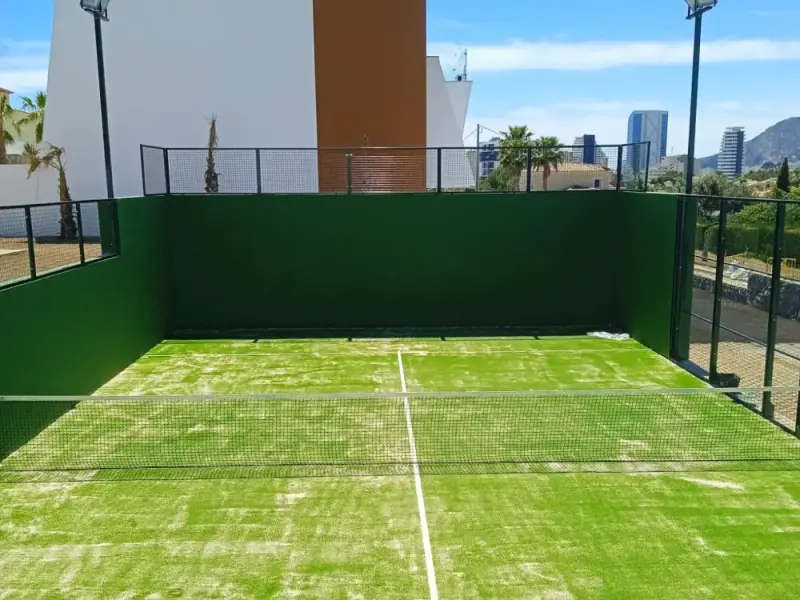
252	262
646	261
68	333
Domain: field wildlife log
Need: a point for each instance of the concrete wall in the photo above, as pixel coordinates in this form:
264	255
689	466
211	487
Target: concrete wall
169	70
16	188
42	188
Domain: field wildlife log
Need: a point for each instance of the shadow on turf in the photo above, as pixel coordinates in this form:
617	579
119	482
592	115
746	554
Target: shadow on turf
392	470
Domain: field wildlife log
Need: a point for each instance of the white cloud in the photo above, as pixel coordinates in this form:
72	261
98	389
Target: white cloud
775	13
609	121
23	65
599	55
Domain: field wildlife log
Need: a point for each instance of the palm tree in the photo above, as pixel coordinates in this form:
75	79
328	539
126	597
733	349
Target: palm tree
547	156
513	153
54	158
212	177
35	109
6	112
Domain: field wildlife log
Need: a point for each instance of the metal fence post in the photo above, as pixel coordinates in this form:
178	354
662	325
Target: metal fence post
718	287
144	179
768	409
677	282
167	185
529	168
117	240
438	170
258	170
79	218
797	415
29	235
619	168
349	160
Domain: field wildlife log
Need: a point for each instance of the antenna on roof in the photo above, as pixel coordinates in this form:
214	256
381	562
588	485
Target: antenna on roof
459	69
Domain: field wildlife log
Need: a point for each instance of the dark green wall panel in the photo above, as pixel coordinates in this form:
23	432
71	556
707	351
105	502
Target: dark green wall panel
646	257
249	262
68	333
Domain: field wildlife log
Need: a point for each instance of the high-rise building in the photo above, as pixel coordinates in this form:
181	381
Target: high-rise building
647	126
585	150
489	156
731	152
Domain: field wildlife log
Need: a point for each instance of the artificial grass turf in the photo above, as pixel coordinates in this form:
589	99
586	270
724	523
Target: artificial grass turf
555	536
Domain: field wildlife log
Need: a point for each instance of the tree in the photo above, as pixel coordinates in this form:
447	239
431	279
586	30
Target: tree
784	177
35	109
672	182
6	139
514	153
546	157
711	184
212	177
54	158
497	181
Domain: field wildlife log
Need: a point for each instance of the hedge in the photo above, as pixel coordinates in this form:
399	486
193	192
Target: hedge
756	241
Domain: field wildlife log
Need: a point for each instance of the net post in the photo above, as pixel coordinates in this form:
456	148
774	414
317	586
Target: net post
774	305
258	170
79	218
438	170
718	286
647	166
349	161
619	167
29	236
529	167
144	179
167	185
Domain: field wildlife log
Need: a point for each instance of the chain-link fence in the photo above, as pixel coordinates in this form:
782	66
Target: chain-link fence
524	168
737	306
39	239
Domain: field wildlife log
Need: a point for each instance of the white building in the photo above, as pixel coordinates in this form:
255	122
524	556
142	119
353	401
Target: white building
731	152
673	163
647	126
169	71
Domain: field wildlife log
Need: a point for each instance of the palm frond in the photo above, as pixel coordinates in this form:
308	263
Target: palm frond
27	104
8	139
31	156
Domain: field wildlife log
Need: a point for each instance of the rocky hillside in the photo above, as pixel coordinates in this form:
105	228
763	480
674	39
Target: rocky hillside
780	141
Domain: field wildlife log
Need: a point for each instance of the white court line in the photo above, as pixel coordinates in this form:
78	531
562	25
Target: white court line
423	516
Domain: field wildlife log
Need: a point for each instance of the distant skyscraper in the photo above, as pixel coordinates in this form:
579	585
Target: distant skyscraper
731	152
489	158
647	126
585	150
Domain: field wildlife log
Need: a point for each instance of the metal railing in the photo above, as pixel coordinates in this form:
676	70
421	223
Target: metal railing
168	171
736	308
41	239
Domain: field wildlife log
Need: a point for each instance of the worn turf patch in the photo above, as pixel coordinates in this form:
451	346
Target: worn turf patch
616	536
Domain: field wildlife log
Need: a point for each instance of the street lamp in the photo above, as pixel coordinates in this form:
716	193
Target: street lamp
696	10
99	10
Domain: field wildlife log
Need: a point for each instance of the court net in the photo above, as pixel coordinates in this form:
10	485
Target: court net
561	430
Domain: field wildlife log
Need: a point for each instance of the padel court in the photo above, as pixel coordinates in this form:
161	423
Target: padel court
488	467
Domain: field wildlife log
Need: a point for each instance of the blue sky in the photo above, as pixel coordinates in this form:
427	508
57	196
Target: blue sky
566	67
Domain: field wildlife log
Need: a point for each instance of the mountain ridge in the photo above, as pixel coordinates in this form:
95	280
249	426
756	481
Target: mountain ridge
775	143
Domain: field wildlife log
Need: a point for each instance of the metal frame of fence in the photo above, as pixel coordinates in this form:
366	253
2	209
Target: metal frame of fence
162	171
110	245
717	241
